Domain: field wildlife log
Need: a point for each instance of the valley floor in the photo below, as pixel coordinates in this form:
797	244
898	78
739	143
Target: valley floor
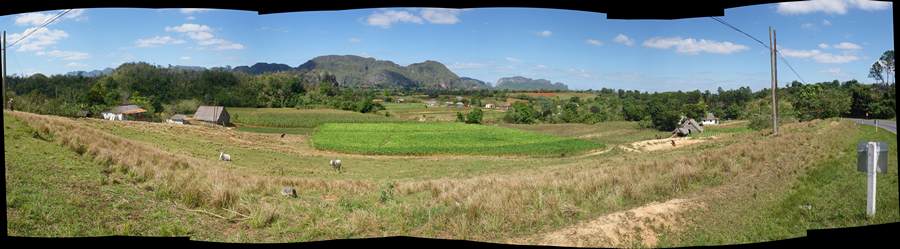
88	177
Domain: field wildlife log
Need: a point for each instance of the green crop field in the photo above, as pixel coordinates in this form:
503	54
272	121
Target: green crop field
442	138
296	121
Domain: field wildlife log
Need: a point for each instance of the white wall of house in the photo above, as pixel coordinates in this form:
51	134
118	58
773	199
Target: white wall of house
113	116
709	122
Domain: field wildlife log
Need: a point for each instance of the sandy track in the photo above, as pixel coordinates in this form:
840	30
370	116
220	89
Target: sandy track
664	143
639	225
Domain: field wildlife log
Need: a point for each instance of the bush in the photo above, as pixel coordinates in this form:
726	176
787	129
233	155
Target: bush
520	113
759	113
474	116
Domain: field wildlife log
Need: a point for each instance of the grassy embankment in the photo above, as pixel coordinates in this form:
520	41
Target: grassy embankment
461	197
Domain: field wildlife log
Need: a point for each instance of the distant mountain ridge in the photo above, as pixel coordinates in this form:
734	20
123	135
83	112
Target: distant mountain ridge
352	70
522	83
92	73
367	72
262	67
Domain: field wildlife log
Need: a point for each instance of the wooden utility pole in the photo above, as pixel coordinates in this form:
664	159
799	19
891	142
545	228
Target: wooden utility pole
4	70
774	64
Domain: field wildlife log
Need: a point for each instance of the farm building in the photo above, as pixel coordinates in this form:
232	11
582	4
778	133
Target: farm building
213	114
489	106
710	119
123	112
460	105
431	102
177	119
503	106
687	127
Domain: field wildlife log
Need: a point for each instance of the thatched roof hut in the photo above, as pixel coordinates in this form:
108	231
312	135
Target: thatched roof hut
687	127
213	114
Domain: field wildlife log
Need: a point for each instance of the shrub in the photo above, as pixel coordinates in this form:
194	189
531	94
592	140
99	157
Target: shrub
474	116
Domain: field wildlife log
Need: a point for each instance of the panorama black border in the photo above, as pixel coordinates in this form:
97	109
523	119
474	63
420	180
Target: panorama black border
635	9
870	235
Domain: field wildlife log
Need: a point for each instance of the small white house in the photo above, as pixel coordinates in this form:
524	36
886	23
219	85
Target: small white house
177	119
489	106
120	112
710	119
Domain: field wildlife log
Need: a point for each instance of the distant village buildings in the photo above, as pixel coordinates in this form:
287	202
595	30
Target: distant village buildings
177	119
710	119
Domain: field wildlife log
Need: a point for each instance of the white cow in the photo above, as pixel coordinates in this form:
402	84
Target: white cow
336	165
224	157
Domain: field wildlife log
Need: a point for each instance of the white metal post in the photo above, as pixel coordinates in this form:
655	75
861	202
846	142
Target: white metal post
872	148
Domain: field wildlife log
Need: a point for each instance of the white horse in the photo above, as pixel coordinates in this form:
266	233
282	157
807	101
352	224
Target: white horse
224	157
336	165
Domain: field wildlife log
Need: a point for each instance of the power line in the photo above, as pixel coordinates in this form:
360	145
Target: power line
741	31
777	51
789	66
51	20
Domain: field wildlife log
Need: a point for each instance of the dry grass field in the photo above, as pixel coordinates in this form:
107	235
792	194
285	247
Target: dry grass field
138	178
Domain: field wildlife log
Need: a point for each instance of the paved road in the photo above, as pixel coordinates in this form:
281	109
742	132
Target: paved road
889	125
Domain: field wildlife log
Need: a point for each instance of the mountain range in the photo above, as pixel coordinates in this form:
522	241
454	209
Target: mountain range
522	83
357	71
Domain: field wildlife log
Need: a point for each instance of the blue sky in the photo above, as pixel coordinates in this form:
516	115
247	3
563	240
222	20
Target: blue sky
823	40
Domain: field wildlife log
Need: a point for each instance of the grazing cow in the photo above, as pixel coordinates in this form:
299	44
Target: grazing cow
224	157
336	165
673	143
282	135
289	192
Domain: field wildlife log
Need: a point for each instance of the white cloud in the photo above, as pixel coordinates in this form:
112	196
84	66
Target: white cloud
692	46
189	27
184	58
192	10
38	18
847	46
825	22
33	19
37	41
871	5
385	19
819	56
540	66
157	41
203	36
467	65
354	40
512	59
75	64
65	55
594	42
836	72
441	16
823	45
545	33
190	18
623	39
839	7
